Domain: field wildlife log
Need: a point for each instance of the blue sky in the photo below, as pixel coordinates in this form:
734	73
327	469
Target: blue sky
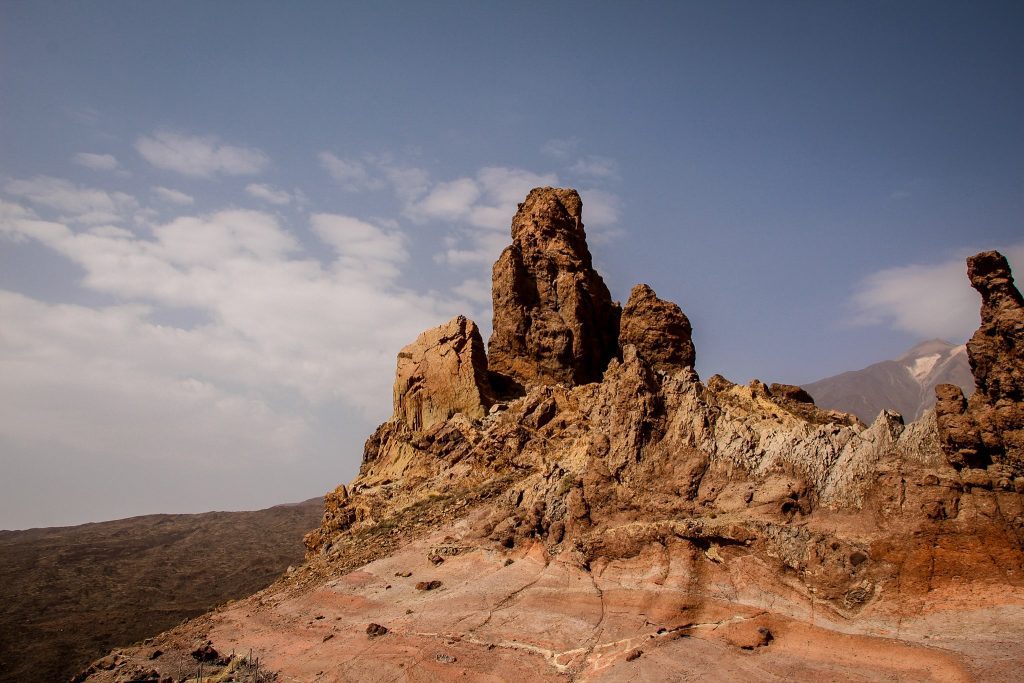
220	221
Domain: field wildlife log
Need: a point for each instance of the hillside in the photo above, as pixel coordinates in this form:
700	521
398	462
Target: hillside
69	594
906	385
575	503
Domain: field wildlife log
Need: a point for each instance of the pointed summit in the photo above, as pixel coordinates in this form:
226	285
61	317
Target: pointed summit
554	319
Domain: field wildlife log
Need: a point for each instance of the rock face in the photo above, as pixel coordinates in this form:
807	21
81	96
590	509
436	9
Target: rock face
442	373
729	531
554	319
658	329
988	429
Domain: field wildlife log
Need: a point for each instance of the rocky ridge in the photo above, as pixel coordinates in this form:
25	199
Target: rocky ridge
589	508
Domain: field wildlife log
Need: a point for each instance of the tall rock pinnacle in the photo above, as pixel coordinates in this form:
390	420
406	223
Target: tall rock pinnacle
989	428
554	319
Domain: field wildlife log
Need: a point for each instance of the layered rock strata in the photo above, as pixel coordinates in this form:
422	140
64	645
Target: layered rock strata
987	430
554	319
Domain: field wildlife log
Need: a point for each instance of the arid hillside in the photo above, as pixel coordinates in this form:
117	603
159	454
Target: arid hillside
69	594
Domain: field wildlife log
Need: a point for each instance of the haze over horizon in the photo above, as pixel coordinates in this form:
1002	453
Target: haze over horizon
220	222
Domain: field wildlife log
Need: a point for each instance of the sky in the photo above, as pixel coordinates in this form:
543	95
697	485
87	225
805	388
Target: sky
219	222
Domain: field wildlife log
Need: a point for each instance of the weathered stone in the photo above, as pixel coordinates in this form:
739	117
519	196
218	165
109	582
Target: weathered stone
442	373
658	329
989	427
554	319
789	392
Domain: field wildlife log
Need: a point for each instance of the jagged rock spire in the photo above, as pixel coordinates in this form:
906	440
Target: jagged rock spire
989	428
554	319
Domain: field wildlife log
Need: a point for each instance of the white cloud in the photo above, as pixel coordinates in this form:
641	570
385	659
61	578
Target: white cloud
199	156
278	321
595	167
600	208
560	148
174	196
351	174
74	202
98	162
449	201
927	300
361	248
268	193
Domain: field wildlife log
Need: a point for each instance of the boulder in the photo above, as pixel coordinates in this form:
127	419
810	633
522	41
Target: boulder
442	373
554	319
658	329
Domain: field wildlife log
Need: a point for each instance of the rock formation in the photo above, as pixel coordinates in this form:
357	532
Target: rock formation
729	531
442	373
554	320
988	429
658	329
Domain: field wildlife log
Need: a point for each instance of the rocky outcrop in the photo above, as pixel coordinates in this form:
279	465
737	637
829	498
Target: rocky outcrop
988	428
442	373
554	319
581	520
658	329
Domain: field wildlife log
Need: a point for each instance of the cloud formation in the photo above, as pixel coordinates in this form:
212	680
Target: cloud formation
199	156
927	300
174	196
98	162
228	337
74	203
269	194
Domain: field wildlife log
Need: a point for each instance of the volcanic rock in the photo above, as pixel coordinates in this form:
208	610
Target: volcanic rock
554	319
696	521
658	329
988	428
442	373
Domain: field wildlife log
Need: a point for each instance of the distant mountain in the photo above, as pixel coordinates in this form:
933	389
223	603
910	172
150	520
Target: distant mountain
906	385
69	594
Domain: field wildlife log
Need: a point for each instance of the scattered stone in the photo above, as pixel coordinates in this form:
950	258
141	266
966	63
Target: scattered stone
376	630
155	654
428	585
403	575
435	559
331	635
445	659
205	653
634	654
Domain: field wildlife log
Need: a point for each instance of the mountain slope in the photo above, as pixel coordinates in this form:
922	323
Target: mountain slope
906	385
70	593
